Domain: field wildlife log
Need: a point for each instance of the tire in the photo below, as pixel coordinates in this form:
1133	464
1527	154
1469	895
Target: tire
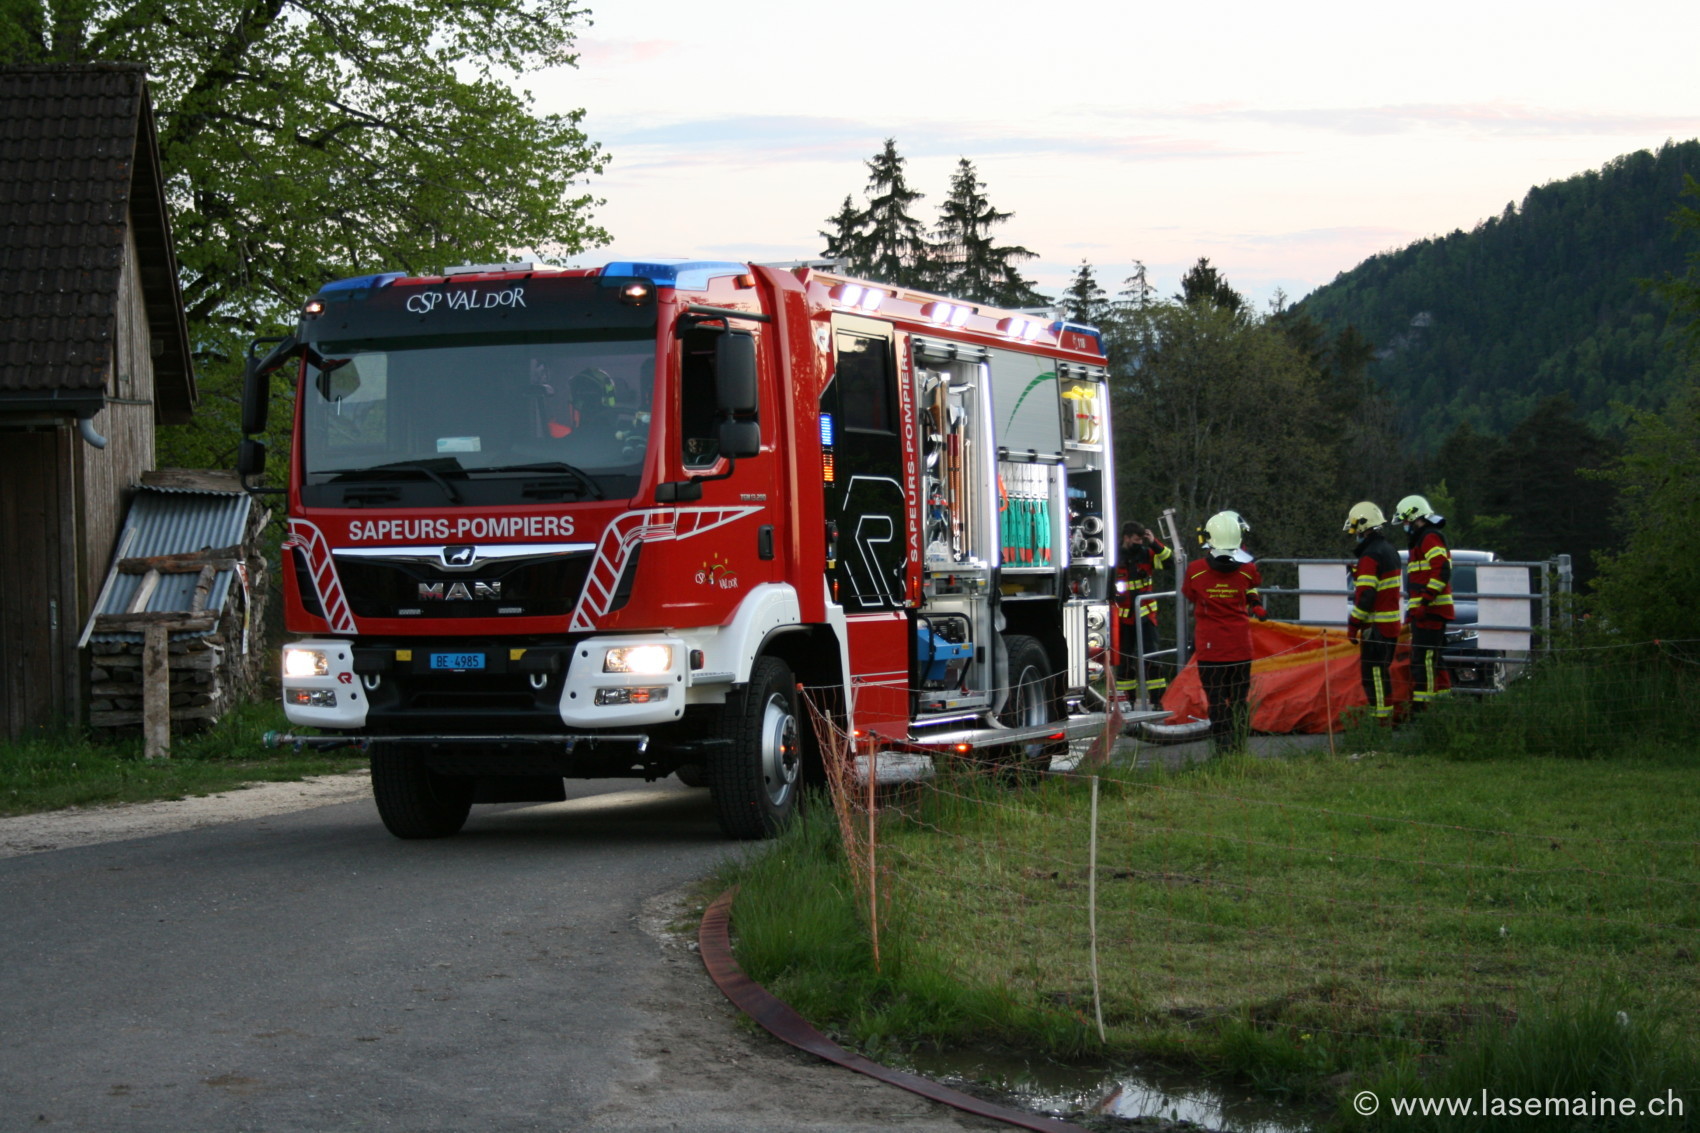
413	800
755	780
691	775
1032	701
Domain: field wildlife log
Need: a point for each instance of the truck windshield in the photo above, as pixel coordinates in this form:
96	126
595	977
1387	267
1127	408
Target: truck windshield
414	423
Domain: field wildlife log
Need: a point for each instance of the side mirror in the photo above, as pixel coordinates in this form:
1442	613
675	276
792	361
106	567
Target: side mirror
256	399
735	372
740	438
250	457
256	381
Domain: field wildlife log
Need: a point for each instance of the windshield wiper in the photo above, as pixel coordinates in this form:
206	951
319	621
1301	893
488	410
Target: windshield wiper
591	487
423	467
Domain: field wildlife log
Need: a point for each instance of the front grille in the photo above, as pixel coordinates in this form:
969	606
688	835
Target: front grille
385	588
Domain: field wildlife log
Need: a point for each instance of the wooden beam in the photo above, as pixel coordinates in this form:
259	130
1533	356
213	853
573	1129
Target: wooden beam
173	621
156	693
194	479
144	593
184	562
203	587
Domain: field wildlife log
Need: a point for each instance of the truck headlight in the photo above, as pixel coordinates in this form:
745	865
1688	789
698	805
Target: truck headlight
305	662
646	660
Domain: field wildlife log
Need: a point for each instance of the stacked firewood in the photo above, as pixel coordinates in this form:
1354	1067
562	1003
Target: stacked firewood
202	676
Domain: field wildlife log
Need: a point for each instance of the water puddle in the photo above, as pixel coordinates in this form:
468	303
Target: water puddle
1148	1092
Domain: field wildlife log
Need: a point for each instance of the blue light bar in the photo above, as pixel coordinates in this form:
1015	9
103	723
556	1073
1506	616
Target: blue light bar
382	279
689	275
1094	333
826	430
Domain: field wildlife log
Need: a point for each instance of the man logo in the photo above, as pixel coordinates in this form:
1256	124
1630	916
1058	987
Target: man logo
459	556
459	591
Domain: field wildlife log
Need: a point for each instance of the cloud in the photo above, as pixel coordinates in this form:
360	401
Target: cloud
769	138
1494	118
1355	235
624	52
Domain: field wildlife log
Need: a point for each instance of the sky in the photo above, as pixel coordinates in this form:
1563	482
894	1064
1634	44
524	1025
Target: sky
1286	142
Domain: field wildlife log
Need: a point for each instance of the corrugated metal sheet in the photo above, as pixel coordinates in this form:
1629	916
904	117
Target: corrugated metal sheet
173	521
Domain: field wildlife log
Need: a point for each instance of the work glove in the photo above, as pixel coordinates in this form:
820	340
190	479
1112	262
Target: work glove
1352	635
1260	613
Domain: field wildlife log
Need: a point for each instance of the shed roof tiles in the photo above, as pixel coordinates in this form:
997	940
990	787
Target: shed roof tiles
79	163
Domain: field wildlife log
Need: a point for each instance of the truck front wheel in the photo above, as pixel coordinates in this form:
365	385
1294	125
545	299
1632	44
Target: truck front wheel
413	800
754	779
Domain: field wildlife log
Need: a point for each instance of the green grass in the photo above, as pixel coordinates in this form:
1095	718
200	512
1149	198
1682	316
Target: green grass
1282	921
1579	1051
52	772
1596	703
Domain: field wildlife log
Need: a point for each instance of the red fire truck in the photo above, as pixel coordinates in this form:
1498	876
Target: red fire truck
619	521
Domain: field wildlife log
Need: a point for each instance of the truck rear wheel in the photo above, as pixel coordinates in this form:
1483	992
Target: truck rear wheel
1032	701
755	779
413	800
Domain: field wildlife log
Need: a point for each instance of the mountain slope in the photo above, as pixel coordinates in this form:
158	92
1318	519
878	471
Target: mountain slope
1480	326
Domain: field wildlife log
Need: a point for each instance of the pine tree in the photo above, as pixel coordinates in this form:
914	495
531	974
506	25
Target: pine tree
1085	301
896	248
1137	291
968	263
1203	283
1129	323
846	241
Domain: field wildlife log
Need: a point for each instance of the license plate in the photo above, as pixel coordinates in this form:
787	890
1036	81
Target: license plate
457	661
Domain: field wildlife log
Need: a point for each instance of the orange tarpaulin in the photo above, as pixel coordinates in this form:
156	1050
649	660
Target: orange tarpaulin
1301	679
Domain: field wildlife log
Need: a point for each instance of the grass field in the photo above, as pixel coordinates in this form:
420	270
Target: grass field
75	770
1374	915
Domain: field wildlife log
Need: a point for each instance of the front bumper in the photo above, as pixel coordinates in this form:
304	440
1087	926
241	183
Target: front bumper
466	686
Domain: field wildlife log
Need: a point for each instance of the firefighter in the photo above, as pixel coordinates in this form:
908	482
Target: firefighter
1142	555
1428	602
1373	624
1223	592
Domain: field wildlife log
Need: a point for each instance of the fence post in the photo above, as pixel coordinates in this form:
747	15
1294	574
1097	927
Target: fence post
1144	691
1178	550
1566	579
1092	913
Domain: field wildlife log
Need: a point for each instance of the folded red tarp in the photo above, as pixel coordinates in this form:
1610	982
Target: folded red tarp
1302	678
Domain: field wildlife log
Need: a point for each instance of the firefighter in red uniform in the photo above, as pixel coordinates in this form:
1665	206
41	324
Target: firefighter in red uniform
1428	601
1374	620
1142	554
1223	592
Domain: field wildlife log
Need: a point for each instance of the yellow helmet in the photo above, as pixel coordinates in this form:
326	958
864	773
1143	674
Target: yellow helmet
1222	533
1363	518
1410	508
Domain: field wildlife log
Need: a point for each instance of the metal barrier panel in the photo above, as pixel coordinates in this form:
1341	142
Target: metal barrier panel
1505	605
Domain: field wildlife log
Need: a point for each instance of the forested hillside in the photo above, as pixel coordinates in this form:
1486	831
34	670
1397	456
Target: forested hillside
1479	327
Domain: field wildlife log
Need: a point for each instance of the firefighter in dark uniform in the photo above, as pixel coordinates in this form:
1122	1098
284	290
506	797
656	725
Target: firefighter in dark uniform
1373	623
1223	591
1428	598
1142	555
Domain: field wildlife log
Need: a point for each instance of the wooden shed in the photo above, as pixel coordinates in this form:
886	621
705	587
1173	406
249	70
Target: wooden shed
94	353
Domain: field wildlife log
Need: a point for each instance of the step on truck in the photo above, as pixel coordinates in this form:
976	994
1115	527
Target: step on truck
620	521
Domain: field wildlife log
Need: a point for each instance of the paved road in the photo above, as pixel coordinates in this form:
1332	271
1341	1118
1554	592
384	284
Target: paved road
307	971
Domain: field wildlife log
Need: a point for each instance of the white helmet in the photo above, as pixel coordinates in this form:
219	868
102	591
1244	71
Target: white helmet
1363	518
1411	508
1222	533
